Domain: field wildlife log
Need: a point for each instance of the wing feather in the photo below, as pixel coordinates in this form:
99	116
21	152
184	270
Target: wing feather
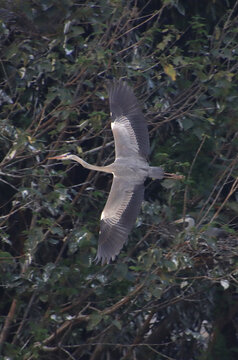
118	217
128	122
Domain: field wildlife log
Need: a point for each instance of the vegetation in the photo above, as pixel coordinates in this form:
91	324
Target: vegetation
168	295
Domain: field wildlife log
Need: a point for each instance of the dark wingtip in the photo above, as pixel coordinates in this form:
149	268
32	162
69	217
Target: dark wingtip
105	260
105	254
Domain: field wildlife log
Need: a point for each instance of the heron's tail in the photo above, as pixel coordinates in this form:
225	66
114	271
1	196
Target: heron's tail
156	172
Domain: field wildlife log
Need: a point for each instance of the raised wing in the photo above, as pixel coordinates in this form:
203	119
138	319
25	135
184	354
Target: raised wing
128	123
118	217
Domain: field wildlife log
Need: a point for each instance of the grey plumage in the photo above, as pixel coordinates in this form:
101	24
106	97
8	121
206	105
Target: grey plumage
129	170
211	231
117	221
125	110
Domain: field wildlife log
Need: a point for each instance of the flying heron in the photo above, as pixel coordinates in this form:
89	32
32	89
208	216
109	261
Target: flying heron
130	169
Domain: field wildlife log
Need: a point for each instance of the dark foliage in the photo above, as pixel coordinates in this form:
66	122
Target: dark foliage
169	295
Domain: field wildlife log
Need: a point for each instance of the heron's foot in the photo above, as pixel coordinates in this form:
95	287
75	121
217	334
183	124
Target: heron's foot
173	176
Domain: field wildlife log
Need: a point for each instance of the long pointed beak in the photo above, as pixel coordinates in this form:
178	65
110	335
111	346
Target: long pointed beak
179	221
59	157
173	176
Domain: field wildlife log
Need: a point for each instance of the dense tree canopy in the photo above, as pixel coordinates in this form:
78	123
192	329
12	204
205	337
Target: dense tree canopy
169	294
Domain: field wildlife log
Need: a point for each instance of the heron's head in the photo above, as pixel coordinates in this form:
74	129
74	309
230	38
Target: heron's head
66	156
188	220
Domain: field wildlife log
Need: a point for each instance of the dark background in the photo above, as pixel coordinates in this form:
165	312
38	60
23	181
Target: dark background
168	295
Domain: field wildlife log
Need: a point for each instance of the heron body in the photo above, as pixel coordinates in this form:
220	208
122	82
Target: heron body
214	232
130	169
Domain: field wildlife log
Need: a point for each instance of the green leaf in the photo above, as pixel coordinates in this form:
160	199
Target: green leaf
157	292
95	319
117	324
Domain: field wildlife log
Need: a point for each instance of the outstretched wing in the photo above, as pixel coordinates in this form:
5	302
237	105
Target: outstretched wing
118	217
128	123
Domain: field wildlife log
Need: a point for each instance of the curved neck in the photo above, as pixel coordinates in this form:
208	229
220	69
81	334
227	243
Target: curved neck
191	223
106	169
